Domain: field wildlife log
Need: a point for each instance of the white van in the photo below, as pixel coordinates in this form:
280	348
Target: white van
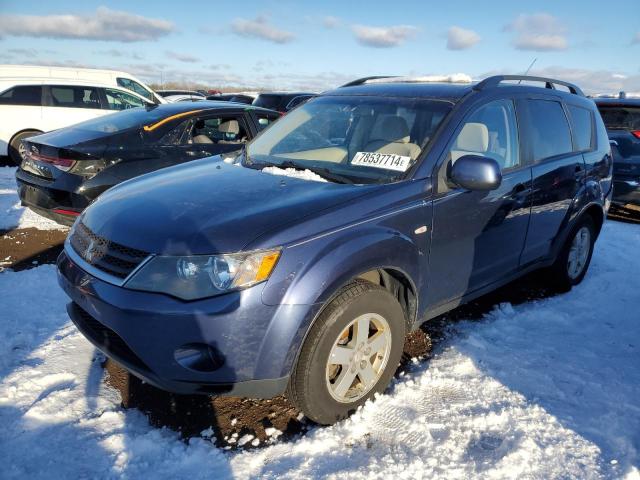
106	77
29	107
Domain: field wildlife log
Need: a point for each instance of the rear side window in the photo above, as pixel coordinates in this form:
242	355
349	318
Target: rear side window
548	128
74	97
582	124
620	117
25	95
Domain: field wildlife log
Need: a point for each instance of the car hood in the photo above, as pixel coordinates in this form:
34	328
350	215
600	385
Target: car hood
207	207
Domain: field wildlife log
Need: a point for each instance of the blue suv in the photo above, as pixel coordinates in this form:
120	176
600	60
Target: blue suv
300	264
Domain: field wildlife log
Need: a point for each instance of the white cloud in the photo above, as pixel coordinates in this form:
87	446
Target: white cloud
539	32
383	37
181	57
461	39
331	22
261	28
105	24
113	52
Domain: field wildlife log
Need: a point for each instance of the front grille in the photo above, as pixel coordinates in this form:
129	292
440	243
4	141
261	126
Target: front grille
105	255
106	338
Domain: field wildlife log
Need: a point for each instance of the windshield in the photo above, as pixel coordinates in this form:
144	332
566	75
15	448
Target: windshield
134	117
620	117
355	139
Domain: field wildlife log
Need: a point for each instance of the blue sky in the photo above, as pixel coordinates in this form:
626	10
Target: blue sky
288	44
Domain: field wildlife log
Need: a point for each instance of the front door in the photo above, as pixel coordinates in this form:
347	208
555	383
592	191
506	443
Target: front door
478	236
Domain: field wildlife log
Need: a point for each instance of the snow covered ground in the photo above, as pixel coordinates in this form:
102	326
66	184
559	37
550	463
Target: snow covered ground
546	389
12	215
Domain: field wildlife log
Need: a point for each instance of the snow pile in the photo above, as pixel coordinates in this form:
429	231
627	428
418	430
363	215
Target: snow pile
294	173
546	389
12	215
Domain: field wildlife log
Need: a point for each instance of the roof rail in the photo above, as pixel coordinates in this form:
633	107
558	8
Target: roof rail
363	80
551	83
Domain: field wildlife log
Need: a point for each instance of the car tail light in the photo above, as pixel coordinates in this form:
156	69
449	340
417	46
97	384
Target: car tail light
64	164
635	133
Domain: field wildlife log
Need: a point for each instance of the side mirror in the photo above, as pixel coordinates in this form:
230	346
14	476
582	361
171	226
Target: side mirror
474	172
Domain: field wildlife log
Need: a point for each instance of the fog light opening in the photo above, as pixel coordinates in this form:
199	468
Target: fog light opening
199	357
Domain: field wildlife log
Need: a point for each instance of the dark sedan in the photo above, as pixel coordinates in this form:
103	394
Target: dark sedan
622	118
67	169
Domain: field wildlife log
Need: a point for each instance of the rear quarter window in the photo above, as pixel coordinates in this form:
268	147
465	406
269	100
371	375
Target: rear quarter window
24	95
582	123
548	129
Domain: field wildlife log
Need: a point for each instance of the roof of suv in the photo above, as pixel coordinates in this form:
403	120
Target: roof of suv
452	91
448	90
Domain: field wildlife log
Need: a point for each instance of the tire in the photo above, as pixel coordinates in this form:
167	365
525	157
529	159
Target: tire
564	274
14	145
320	389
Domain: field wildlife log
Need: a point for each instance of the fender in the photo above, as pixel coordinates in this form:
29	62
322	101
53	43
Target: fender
337	259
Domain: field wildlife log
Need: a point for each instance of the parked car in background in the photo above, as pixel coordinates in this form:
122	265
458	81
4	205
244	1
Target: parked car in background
299	100
348	223
189	93
30	107
113	78
65	170
622	119
233	97
277	101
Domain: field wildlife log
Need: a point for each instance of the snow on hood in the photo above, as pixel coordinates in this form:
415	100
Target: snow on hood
292	172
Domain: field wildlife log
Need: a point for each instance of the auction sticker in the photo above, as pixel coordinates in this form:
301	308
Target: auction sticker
388	161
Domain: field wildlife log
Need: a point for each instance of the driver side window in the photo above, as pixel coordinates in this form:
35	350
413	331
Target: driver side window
490	131
117	100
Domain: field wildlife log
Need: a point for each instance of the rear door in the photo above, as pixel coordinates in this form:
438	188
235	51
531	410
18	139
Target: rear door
558	172
70	104
478	236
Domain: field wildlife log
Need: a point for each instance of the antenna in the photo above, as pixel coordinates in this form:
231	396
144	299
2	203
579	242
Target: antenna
527	70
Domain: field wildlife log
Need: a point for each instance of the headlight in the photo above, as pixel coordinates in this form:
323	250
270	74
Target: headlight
200	276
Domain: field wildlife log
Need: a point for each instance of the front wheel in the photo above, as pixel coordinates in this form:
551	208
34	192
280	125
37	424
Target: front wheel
350	353
573	261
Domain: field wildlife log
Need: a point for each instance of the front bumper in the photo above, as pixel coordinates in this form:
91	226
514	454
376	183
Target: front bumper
253	345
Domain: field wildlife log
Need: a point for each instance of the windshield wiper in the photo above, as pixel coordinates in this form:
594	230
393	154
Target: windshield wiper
321	171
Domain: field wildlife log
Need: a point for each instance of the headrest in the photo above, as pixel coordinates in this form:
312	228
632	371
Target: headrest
474	137
230	126
390	128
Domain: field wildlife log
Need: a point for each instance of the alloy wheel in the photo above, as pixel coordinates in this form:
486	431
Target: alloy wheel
358	358
579	253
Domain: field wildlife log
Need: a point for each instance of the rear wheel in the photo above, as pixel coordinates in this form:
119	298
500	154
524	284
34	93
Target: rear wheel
573	261
351	352
17	151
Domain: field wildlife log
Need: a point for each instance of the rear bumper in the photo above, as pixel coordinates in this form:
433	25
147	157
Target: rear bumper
249	347
50	199
626	194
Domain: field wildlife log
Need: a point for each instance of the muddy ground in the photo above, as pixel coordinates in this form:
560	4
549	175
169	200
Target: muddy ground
230	418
